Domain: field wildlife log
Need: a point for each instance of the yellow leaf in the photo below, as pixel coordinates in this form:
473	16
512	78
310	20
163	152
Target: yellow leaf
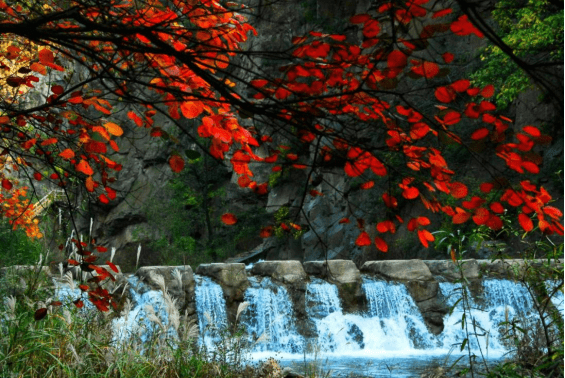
113	129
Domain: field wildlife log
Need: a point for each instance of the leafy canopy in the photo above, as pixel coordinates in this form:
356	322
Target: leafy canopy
339	101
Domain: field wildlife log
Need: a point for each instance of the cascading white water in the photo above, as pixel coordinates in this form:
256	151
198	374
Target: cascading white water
391	328
502	301
211	311
398	317
269	320
483	332
148	312
391	324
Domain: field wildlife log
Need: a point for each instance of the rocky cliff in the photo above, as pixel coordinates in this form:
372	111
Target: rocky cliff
140	214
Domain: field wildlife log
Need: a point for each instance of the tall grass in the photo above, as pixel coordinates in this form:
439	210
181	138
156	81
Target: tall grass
72	342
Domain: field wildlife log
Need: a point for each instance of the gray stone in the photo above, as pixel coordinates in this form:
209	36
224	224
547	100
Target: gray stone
178	280
336	271
449	270
401	270
288	272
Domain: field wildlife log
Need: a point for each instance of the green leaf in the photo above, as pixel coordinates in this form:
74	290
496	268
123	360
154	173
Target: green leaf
464	343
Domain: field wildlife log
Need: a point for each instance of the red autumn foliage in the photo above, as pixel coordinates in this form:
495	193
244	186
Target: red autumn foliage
181	54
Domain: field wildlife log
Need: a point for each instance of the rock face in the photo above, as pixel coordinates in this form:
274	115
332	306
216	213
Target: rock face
178	280
345	275
421	285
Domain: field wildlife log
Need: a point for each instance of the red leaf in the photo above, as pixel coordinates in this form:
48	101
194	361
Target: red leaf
381	244
67	154
481	216
525	222
458	190
191	109
487	91
363	239
448	57
344	220
460	85
40	314
38	176
229	219
371	28
445	94
390	201
464	27
84	167
410	192
315	193
425	236
494	223
497	207
486	187
533	131
135	118
266	232
396	60
426	69
78	303
112	266
442	13
359	18
480	133
367	185
6	184
57	89
461	217
102	198
176	163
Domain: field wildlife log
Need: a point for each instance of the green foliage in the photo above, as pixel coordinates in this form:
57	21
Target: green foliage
17	247
534	32
189	217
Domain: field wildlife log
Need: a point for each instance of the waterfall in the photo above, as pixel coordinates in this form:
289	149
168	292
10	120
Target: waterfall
211	311
394	313
483	329
502	301
146	316
269	319
391	324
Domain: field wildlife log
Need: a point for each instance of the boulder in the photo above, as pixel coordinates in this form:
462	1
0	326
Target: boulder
400	270
231	277
335	271
178	280
288	272
450	271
